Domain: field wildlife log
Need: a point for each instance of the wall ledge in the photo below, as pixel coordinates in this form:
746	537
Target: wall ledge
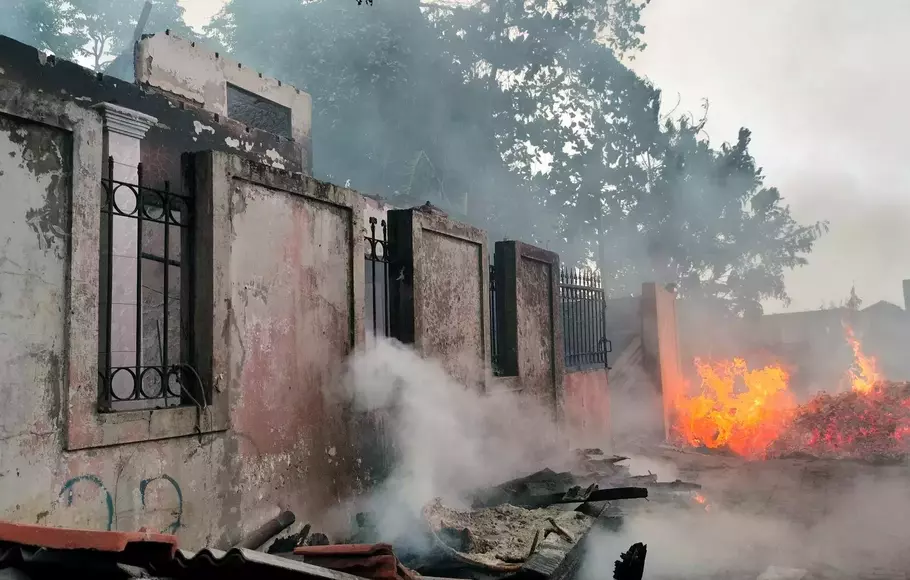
125	121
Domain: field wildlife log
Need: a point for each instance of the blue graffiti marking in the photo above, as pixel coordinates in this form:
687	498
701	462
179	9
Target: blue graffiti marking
68	490
178	523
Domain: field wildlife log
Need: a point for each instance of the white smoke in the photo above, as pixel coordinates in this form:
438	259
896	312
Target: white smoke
450	439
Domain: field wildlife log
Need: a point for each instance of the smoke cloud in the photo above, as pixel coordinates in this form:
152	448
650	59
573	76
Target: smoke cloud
770	515
448	439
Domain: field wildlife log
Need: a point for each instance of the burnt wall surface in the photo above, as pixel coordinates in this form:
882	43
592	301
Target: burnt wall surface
293	321
440	291
660	345
530	323
181	128
282	314
163	486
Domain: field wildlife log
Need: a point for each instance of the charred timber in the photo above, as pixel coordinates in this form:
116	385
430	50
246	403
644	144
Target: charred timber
610	494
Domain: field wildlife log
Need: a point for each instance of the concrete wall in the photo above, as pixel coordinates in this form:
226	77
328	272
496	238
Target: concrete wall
182	127
530	325
277	312
587	415
440	291
293	314
191	72
660	344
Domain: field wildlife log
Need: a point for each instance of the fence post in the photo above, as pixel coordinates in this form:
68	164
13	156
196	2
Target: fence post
439	290
530	330
660	345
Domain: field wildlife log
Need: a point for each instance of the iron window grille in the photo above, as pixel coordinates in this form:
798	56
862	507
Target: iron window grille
584	305
144	297
377	279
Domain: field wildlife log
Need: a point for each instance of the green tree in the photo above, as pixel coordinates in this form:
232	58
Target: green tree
716	228
42	24
520	116
106	27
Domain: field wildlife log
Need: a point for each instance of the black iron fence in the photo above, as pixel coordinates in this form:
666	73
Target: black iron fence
377	279
142	351
584	304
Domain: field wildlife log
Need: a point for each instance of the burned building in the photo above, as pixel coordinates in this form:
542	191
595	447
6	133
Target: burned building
179	298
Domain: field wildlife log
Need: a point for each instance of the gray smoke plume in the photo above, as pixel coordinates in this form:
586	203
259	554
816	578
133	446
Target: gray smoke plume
448	439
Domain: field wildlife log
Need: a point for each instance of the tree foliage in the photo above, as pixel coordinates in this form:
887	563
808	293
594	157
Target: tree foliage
853	302
520	116
97	30
717	228
40	23
105	27
517	115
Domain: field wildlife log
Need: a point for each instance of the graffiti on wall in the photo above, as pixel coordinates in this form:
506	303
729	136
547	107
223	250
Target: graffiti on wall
158	497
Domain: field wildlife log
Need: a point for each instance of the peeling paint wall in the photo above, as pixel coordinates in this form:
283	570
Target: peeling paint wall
451	327
181	127
297	316
440	293
291	335
191	72
163	486
35	172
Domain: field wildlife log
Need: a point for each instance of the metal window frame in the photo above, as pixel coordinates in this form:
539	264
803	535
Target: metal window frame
181	370
377	252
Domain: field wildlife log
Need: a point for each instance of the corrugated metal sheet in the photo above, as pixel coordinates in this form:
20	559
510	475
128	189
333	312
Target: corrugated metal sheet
42	551
243	563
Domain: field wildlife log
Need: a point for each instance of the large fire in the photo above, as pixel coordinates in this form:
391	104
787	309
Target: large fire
753	413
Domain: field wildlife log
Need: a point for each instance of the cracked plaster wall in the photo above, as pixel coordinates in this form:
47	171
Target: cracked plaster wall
287	447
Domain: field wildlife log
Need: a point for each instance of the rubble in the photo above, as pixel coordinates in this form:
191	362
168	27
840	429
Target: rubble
873	426
631	564
504	535
536	527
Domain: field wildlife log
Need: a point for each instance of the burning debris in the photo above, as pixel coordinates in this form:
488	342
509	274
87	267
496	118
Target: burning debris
872	425
753	413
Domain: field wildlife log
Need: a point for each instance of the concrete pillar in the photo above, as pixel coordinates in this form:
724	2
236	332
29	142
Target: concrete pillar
124	130
660	346
530	325
439	291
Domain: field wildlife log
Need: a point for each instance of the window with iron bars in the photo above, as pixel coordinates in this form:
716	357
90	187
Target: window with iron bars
584	305
377	280
143	359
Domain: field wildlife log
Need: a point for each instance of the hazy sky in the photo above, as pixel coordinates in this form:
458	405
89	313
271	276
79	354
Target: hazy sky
822	84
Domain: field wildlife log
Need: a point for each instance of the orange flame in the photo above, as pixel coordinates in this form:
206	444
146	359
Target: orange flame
740	409
864	373
747	411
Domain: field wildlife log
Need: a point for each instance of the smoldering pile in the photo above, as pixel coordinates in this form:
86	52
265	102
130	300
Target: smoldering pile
535	526
872	426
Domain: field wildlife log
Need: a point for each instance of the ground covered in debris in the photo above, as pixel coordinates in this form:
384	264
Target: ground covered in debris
801	517
504	534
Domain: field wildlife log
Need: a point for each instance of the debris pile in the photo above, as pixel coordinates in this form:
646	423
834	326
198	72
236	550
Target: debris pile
872	425
536	527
